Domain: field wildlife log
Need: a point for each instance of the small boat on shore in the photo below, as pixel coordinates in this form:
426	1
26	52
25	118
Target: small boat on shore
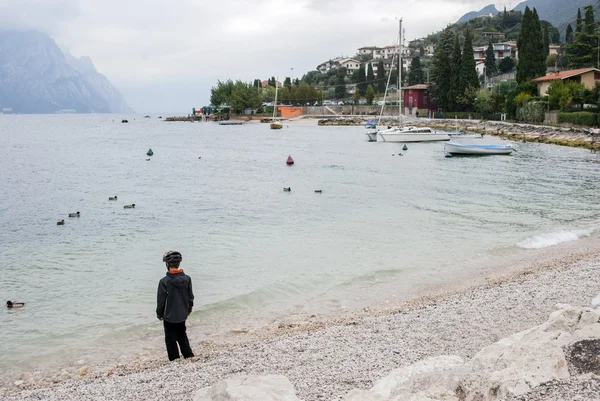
456	148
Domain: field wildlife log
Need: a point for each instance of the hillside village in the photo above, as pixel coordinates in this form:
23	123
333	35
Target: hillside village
473	67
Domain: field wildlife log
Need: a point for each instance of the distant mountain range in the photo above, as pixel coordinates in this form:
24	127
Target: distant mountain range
37	77
487	10
558	12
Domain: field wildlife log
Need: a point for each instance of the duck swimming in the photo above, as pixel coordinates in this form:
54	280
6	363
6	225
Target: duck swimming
11	304
288	189
60	223
132	206
74	214
112	197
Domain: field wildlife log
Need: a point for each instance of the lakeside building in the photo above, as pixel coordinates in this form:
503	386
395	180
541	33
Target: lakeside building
265	83
585	76
416	97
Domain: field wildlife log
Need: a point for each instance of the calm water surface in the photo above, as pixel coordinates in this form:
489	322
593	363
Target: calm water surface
384	226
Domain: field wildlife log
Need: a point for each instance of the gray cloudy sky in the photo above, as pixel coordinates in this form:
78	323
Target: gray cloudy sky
166	55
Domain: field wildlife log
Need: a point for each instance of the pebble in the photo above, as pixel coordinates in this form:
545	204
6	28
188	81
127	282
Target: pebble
337	357
83	371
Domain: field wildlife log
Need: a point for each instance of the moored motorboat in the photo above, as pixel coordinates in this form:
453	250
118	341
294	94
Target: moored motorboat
411	134
456	148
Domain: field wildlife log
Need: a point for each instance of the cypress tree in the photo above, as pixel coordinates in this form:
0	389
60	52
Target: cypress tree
582	48
361	79
569	34
546	41
370	74
532	62
415	76
441	72
455	89
490	61
468	72
381	81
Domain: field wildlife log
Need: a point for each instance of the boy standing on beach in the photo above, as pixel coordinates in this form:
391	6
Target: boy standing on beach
174	303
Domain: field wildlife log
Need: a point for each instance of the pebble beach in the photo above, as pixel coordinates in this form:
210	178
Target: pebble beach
325	359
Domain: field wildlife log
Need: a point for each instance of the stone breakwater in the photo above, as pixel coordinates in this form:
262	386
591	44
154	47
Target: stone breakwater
576	137
464	332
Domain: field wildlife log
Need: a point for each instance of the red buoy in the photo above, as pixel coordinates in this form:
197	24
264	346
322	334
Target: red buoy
289	161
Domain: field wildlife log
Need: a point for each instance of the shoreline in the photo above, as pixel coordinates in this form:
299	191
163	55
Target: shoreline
326	358
588	138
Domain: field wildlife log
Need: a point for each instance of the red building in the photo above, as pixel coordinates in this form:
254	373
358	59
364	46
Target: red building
417	97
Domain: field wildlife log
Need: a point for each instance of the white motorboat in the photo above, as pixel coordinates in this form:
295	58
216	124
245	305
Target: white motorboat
411	134
455	148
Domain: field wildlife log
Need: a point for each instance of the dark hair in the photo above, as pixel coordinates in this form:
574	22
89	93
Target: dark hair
9	303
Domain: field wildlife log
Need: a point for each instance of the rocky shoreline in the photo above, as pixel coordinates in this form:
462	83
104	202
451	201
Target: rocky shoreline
327	360
588	138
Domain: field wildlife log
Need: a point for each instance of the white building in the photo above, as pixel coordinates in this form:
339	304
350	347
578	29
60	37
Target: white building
373	51
501	50
350	64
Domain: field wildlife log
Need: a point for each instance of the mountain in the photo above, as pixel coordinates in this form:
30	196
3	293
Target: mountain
36	77
491	9
85	66
559	12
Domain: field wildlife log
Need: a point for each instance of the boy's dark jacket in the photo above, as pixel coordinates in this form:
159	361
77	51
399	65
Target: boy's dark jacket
175	299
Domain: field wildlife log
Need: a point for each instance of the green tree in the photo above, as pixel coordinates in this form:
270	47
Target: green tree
221	94
532	61
415	76
546	41
361	79
569	35
370	74
340	87
455	85
284	95
484	103
506	64
370	95
490	61
287	82
441	70
581	50
356	96
244	96
469	80
381	78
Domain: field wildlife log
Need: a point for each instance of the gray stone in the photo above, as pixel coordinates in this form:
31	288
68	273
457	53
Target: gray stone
249	388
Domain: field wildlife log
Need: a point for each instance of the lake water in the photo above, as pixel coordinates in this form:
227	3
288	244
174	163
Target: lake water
384	227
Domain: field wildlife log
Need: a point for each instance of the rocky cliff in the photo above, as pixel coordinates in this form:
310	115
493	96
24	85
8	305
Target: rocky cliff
36	77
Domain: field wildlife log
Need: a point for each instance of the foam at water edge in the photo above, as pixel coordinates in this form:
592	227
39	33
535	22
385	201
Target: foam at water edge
551	239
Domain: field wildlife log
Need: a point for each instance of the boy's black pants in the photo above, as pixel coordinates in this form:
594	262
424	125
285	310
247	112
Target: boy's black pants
175	334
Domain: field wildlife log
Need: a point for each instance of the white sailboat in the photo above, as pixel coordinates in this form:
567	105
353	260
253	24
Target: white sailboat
274	124
407	134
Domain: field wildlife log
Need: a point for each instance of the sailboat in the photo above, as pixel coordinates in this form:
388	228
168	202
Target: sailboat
275	124
407	134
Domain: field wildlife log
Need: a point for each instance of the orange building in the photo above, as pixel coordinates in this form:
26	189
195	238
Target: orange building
289	111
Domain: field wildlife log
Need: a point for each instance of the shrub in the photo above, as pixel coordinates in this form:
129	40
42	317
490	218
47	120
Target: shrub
532	112
579	118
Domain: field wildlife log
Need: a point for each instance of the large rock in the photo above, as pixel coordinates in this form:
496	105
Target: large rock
568	343
249	388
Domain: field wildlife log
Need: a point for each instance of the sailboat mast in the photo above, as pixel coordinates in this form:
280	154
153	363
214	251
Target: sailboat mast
275	106
400	70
